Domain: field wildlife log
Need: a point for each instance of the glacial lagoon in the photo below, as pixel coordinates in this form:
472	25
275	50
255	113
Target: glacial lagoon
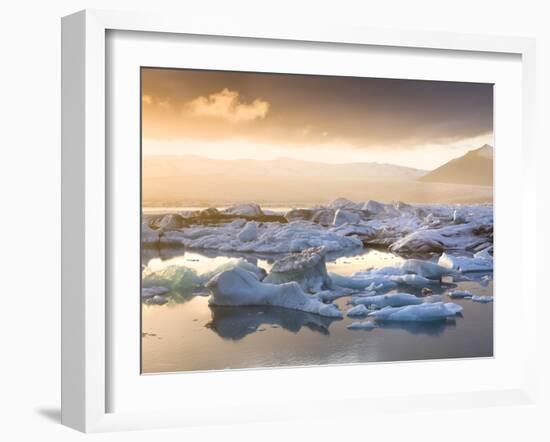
188	334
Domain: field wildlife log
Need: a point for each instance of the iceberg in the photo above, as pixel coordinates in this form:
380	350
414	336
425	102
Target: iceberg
431	312
363	325
307	268
172	221
450	237
480	262
185	279
150	292
324	217
374	207
246	210
249	232
174	277
363	281
239	287
149	236
357	311
459	294
299	215
390	300
482	299
272	237
343	216
334	293
426	269
411	280
343	203
157	300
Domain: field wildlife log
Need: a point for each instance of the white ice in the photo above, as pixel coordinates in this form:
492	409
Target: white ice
430	312
390	300
460	294
183	278
363	325
481	261
341	225
239	287
357	311
249	232
482	299
362	281
307	268
272	237
426	269
249	209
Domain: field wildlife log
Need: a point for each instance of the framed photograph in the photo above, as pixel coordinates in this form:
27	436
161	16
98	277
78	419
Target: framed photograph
259	222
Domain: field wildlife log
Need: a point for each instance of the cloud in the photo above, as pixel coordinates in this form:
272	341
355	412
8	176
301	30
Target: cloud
227	105
147	99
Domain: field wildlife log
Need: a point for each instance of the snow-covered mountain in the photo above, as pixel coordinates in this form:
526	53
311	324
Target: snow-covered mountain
475	167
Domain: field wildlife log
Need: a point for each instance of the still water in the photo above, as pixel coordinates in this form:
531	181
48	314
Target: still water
190	335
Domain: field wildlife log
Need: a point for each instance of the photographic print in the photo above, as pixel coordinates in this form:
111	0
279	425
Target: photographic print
303	220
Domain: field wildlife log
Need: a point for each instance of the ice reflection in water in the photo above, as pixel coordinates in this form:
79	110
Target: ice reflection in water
192	335
237	322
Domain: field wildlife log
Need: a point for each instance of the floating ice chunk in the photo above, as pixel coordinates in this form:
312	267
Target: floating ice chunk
430	312
157	300
453	308
185	279
149	237
433	298
249	232
172	277
460	294
479	262
482	299
172	221
249	209
363	325
426	269
239	287
485	253
258	272
324	217
449	237
307	268
390	300
416	281
363	281
374	207
299	214
334	293
358	311
344	203
458	218
273	237
343	216
149	292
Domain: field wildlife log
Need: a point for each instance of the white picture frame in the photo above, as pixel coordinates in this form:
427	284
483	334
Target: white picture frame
86	216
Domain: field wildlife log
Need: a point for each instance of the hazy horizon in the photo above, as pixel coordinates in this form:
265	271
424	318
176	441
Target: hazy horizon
244	136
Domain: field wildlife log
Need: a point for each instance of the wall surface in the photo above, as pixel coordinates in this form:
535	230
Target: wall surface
30	222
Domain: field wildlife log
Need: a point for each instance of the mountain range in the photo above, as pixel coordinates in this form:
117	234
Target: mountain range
475	168
176	166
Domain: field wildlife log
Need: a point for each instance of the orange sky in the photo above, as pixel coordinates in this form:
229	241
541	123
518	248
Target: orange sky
230	115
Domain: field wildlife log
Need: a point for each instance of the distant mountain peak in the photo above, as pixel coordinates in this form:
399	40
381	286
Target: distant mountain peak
474	167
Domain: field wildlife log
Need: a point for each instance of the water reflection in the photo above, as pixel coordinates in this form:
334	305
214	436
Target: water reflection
237	322
419	328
